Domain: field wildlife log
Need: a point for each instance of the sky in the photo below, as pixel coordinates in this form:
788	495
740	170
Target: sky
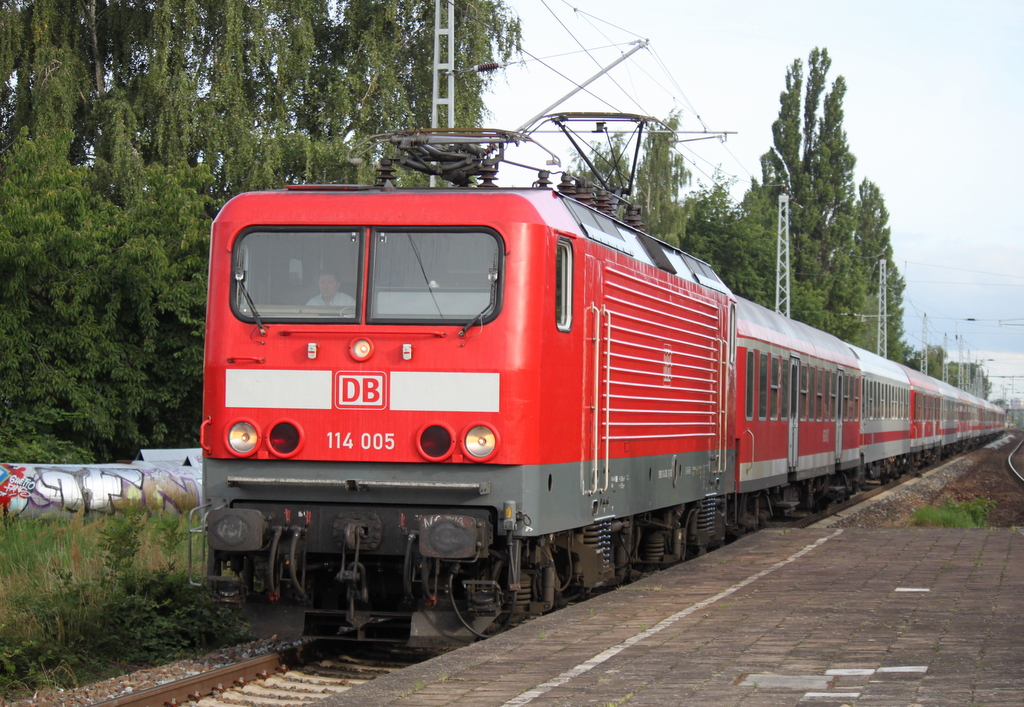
933	113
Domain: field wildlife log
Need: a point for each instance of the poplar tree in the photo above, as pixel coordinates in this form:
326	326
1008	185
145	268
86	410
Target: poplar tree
812	162
874	246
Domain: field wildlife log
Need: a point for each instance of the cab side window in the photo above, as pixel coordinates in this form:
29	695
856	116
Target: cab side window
563	285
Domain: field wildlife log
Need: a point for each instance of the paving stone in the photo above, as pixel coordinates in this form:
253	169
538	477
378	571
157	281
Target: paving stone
833	607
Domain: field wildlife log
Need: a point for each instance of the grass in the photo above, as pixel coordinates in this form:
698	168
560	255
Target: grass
84	599
967	514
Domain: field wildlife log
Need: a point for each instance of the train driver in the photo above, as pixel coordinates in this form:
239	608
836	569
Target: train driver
329	293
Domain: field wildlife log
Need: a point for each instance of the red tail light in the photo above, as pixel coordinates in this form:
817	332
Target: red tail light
285	439
436	442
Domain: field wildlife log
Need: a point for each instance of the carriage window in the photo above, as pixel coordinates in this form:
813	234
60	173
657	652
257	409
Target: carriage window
762	402
803	391
290	275
775	388
826	394
563	285
833	396
819	389
786	391
750	384
434	277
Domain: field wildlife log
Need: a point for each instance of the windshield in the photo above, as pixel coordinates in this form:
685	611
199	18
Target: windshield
294	275
416	276
433	276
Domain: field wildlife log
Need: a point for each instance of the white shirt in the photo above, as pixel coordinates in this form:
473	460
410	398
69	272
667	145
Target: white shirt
340	299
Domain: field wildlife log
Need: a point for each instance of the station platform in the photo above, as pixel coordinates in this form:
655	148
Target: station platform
815	617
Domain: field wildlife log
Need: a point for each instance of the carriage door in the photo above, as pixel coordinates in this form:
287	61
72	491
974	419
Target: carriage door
594	471
794	411
840	411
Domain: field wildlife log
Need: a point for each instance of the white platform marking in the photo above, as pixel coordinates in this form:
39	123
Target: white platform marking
850	671
838	695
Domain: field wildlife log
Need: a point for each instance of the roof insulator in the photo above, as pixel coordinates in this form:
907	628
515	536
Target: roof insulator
633	217
488	173
385	172
584	191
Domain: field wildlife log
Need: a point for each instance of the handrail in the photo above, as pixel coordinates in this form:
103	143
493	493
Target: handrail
752	443
196	525
596	400
607	398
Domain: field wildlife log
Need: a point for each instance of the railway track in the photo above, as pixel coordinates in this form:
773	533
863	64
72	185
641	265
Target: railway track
299	676
1017	473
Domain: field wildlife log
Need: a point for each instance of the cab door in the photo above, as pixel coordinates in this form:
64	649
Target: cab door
840	386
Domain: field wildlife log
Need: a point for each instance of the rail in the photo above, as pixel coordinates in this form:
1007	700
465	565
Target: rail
180	691
1009	461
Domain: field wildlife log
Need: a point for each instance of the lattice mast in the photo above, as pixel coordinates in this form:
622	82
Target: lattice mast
444	61
444	46
782	258
883	308
924	344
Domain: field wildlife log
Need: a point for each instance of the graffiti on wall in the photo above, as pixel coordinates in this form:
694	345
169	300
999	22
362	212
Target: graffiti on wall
34	490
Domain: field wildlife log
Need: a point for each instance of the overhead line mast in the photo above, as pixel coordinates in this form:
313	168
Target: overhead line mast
444	35
782	258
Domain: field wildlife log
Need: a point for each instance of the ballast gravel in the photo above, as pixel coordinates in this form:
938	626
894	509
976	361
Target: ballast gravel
146	678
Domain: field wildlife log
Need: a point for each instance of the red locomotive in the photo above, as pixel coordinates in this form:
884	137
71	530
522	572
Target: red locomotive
433	412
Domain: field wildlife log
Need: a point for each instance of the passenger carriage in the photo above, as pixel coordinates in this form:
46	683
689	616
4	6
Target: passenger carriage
885	410
926	409
798	430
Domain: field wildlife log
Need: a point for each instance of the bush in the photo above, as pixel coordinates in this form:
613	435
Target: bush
80	600
967	514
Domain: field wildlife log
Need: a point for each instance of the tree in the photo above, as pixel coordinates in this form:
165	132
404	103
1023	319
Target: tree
260	92
874	245
811	160
123	128
660	175
103	310
740	248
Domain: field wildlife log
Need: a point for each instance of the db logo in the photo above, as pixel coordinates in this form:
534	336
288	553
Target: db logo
362	390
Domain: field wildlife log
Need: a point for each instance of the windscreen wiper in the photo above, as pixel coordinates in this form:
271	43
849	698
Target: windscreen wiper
240	279
492	277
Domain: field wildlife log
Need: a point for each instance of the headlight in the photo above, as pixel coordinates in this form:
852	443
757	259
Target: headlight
243	437
479	442
361	349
